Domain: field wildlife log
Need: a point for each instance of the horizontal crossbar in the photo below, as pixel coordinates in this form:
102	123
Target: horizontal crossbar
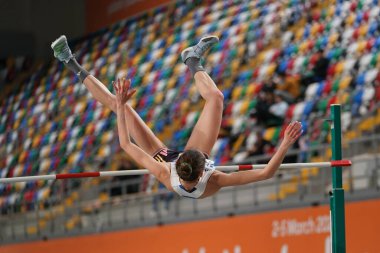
226	168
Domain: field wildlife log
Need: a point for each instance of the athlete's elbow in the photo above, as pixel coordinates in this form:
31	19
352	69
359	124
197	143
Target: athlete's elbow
267	174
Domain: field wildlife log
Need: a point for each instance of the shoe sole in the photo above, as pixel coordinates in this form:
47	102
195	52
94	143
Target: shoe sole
204	39
208	38
61	39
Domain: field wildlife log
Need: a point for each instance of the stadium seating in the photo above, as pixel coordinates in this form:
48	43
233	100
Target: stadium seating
52	124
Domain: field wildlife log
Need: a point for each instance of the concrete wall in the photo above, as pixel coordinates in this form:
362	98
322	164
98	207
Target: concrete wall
27	27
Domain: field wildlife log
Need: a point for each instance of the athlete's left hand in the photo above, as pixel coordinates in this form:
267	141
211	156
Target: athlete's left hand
123	91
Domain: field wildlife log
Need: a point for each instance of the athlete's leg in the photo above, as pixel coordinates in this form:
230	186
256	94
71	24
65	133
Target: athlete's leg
207	128
140	132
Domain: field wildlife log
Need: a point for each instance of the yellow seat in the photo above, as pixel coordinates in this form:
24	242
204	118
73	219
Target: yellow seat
331	11
19	186
261	57
305	174
328	151
45	193
350	135
103	197
185	105
62	135
367	124
339	68
269	133
79	144
63	102
290	188
41	224
361	46
314	29
238	143
105	52
346	186
235	64
59	210
90	129
314	171
103	70
171	83
254	14
241	50
69	202
270	70
333	38
16	124
159	98
303	46
236	93
31	230
250	91
345	82
44	165
299	34
150	124
350	19
343	97
363	30
22	157
244	106
71	158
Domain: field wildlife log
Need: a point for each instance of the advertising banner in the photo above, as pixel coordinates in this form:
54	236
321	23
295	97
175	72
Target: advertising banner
288	231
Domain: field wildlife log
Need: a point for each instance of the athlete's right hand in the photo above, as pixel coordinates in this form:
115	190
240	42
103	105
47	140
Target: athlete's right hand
123	91
292	132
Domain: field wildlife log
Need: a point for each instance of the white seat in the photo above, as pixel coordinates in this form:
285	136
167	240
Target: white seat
298	110
311	91
371	76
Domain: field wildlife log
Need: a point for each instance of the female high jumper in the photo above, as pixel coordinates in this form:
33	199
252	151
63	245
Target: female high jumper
189	173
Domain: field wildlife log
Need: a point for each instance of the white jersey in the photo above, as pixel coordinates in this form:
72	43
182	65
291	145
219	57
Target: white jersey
199	188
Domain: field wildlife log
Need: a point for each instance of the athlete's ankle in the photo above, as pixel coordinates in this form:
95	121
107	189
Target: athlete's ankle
75	67
194	65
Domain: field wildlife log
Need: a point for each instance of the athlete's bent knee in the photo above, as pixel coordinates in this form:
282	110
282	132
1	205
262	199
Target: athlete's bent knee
217	96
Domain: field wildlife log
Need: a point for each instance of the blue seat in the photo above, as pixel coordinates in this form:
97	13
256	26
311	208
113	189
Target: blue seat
320	89
358	97
373	28
282	66
306	32
330	54
324	41
159	126
377	43
360	79
359	18
308	108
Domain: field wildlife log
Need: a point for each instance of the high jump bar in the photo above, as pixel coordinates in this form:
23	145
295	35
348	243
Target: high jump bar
226	168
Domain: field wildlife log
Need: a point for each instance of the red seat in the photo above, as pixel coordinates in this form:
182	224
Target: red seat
332	101
331	70
290	111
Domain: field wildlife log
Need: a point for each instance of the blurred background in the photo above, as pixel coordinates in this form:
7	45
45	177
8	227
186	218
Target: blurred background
276	61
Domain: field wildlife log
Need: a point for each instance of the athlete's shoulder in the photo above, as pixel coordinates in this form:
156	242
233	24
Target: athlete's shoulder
165	171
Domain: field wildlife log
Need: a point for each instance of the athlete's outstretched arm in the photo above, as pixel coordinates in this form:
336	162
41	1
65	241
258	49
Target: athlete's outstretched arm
292	133
159	170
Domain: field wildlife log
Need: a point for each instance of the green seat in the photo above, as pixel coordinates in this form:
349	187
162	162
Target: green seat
276	134
335	86
322	105
373	61
252	104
